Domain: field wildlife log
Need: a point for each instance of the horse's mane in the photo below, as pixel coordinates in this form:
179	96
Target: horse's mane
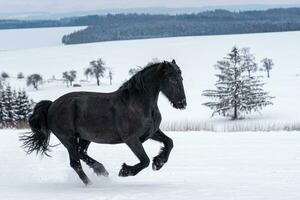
136	82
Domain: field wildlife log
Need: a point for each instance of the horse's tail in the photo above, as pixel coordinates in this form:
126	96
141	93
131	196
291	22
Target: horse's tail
38	139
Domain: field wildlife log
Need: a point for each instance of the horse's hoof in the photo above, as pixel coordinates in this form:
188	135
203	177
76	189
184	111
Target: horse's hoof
100	170
87	182
102	173
125	171
157	163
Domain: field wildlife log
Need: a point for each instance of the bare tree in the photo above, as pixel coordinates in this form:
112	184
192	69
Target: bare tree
133	71
34	80
110	76
248	61
96	69
69	76
4	75
267	65
20	75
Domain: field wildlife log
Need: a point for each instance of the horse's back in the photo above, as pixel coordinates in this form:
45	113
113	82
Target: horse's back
88	114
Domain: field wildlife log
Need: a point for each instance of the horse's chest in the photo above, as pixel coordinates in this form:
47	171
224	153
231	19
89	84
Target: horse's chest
151	125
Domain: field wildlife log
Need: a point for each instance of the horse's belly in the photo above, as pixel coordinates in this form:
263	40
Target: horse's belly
100	131
103	137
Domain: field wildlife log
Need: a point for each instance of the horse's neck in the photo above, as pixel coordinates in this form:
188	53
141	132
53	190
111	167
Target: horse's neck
151	88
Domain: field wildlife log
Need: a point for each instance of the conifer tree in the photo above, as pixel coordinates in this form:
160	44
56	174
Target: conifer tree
9	104
22	107
2	108
236	92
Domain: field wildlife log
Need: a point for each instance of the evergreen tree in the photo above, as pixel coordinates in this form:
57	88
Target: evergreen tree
23	107
3	111
9	105
236	92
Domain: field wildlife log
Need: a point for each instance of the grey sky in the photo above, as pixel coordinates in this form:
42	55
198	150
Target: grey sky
81	5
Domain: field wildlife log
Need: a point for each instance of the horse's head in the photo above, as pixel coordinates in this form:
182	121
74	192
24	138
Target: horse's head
171	84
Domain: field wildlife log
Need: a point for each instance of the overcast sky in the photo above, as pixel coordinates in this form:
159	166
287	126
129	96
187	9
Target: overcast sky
82	5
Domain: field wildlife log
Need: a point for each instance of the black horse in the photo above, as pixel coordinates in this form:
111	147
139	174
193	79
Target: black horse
129	115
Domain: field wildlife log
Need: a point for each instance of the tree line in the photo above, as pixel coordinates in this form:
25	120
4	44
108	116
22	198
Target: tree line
137	26
141	26
96	69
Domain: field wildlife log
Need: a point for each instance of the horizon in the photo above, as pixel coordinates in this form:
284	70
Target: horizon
57	8
50	15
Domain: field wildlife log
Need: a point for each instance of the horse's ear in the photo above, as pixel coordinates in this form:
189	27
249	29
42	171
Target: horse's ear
173	61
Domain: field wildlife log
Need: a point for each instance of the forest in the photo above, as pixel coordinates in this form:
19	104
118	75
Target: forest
141	26
134	26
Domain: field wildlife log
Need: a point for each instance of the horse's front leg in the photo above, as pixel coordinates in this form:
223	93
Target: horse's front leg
137	148
163	156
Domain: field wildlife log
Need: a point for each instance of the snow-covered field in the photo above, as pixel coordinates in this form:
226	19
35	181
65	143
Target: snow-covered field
203	165
15	39
195	55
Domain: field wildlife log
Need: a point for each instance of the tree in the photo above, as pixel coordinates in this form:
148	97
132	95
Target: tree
23	107
248	61
3	110
9	98
4	75
69	76
15	108
110	75
87	72
34	80
96	69
235	91
133	71
20	75
267	65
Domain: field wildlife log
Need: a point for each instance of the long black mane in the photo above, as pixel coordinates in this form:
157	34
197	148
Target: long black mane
136	82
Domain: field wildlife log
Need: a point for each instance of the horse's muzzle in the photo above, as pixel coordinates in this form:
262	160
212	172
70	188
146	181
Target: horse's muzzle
180	104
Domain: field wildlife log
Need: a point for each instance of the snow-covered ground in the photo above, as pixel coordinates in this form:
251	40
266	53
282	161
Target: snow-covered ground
195	55
203	165
15	39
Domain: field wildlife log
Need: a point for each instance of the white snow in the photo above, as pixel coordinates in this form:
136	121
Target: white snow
203	165
15	39
195	55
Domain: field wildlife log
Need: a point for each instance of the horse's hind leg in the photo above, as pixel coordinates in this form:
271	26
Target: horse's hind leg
96	166
73	148
162	157
136	146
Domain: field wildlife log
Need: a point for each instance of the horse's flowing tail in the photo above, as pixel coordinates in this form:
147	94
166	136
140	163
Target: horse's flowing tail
38	139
